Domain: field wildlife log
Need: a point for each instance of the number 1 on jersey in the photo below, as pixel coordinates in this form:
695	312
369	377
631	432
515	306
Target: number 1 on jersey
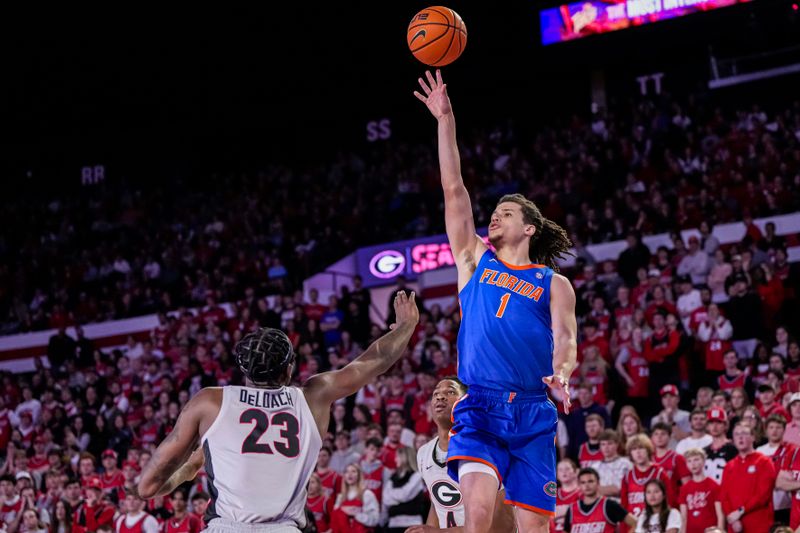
503	304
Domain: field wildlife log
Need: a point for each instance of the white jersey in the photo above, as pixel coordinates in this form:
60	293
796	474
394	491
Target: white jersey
259	455
445	493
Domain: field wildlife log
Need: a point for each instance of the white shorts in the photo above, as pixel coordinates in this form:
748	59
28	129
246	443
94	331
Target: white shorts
220	525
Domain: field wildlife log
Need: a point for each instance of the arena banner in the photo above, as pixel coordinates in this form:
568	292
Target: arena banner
593	17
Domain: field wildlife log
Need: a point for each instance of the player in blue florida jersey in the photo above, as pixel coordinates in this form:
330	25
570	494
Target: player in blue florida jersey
517	337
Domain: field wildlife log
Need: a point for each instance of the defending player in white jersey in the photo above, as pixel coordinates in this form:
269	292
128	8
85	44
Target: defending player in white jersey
447	509
260	443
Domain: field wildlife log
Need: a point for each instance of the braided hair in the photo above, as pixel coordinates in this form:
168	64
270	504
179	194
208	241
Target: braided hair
264	355
550	242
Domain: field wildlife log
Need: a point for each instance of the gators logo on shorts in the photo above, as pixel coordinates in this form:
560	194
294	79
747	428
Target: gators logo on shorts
550	488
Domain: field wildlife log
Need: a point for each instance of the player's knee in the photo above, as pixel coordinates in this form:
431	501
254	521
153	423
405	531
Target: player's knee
532	522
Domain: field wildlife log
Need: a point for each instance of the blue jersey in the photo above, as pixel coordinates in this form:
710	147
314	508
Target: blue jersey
506	336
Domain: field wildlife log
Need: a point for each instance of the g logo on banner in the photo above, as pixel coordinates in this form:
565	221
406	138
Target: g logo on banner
387	264
446	493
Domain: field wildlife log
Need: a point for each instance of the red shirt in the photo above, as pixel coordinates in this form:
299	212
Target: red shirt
188	524
774	409
331	482
321	507
88	519
726	383
639	370
674	465
5	429
659	346
592	522
8	511
599	382
373	477
342	523
699	499
586	456
563	500
756	473
388	455
791	464
135	528
632	491
715	349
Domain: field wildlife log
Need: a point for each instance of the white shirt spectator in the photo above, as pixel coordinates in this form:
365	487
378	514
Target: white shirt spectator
695	265
152	270
673	522
33	406
691	442
612	472
687	303
122	266
721	329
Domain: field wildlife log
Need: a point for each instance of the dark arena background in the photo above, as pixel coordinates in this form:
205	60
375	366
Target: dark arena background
175	180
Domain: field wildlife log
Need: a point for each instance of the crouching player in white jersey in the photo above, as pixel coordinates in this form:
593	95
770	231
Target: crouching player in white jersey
260	442
447	509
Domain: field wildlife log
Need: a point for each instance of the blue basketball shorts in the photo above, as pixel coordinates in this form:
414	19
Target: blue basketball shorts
514	433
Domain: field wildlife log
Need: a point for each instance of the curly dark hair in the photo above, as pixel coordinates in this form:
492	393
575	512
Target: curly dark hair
550	242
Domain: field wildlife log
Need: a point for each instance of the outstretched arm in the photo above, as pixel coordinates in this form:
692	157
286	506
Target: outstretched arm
172	454
460	225
565	329
323	389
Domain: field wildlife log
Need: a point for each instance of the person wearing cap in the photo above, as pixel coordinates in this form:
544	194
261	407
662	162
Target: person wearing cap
95	511
671	414
779	451
721	450
38	463
698	437
767	394
747	484
112	477
696	263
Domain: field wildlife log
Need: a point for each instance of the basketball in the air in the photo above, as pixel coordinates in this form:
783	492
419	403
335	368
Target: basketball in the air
437	36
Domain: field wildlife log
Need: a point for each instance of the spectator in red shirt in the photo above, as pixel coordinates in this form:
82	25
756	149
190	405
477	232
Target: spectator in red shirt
767	395
640	450
699	497
113	479
747	484
659	305
593	337
95	511
313	309
661	350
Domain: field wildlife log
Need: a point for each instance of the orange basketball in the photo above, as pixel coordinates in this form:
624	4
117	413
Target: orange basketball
437	36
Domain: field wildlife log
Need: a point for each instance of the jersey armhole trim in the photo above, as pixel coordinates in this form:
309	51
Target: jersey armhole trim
217	418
